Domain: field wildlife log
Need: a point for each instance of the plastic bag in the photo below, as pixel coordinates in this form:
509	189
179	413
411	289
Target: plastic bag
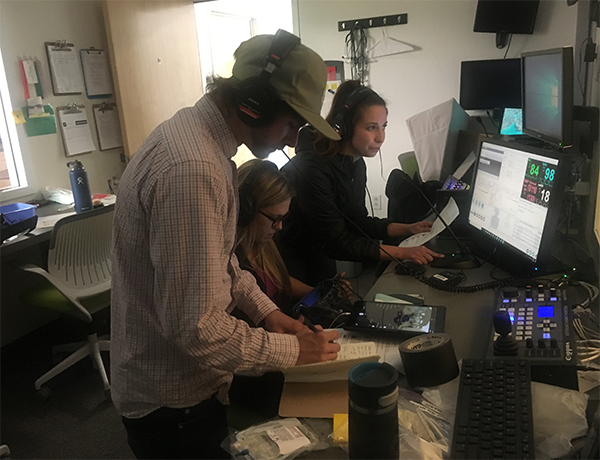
424	432
558	415
282	439
58	195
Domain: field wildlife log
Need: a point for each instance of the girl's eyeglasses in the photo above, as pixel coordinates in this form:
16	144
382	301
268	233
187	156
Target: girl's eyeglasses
275	220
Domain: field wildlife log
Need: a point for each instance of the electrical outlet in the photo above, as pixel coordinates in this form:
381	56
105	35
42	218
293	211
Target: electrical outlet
377	202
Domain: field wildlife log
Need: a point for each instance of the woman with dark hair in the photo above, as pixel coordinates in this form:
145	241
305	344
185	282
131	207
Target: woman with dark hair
328	218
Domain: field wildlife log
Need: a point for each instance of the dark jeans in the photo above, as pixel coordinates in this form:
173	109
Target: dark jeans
193	432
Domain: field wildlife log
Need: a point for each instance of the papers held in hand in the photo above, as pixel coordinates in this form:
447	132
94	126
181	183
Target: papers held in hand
349	355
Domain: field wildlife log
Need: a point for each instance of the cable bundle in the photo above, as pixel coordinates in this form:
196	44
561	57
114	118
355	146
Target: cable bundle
588	345
356	49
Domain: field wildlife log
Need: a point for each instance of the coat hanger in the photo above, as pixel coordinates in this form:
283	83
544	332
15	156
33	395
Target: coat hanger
389	46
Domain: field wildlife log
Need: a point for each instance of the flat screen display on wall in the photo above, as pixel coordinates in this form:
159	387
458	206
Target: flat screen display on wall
506	16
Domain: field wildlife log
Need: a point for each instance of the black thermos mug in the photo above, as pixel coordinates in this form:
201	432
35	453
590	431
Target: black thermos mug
373	411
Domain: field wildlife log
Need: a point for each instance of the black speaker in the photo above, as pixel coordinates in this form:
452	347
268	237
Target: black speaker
258	103
247	205
339	123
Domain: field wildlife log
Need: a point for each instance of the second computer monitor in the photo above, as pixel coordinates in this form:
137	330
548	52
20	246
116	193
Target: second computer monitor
548	95
490	84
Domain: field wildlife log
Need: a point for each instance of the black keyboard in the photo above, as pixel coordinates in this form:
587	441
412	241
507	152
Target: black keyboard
494	418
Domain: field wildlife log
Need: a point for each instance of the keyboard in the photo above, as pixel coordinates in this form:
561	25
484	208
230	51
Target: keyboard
494	418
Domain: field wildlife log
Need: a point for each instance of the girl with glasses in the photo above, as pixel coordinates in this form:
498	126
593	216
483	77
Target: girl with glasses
265	197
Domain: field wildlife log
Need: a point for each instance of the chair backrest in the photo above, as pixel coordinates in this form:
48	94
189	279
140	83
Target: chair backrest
80	252
409	164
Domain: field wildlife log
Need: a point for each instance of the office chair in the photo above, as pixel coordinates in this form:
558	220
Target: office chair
77	283
408	164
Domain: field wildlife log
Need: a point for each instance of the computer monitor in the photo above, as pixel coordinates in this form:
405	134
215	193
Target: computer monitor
490	84
548	95
506	16
517	194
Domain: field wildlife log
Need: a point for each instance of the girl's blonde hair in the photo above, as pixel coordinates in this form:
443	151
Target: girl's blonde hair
269	188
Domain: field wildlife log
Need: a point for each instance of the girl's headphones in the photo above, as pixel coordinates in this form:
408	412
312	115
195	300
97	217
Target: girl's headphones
339	122
258	103
247	205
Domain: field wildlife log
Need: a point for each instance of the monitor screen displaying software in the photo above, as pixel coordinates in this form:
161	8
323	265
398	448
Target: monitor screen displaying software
511	196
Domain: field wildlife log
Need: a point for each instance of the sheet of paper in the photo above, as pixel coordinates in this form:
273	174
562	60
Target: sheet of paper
76	132
50	221
385	347
351	354
30	74
109	129
65	69
465	165
449	213
96	72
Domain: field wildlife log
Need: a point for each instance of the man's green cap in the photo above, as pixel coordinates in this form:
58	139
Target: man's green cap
300	81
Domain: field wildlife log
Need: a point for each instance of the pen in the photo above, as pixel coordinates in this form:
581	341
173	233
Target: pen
310	325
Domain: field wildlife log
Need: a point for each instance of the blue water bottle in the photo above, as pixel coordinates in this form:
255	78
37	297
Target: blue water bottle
80	186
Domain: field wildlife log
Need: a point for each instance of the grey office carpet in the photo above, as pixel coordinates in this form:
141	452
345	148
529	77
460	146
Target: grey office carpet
77	422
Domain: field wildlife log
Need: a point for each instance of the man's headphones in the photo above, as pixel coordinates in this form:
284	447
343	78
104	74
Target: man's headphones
247	205
258	103
339	122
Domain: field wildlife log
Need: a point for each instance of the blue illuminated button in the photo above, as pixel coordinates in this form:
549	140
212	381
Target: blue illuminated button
553	299
546	335
505	300
528	299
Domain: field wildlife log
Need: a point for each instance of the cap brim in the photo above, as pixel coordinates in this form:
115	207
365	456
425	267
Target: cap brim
317	122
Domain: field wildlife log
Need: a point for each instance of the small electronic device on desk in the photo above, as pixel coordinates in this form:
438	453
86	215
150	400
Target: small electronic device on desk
538	327
400	320
325	305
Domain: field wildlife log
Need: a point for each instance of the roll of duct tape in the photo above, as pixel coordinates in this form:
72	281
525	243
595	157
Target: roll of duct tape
429	360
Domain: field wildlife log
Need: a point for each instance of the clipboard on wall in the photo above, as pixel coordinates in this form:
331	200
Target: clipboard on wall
96	73
108	127
65	71
75	129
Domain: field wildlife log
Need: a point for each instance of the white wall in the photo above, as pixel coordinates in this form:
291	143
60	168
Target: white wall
24	27
415	81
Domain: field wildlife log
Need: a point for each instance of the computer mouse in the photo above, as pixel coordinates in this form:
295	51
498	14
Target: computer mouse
409	267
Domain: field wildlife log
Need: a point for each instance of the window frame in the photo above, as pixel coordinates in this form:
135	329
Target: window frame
11	144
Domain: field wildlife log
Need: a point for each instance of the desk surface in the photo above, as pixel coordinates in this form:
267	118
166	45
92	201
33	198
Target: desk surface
468	316
37	235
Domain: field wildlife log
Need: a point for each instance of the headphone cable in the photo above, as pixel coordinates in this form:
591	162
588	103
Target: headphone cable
341	213
429	281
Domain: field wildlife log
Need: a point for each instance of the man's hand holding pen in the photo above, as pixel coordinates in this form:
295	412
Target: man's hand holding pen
317	347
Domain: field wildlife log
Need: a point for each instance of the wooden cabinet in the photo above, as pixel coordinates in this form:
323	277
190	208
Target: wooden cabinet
155	62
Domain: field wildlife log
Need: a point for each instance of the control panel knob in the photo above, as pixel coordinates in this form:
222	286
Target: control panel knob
540	288
510	292
528	291
553	343
541	343
553	292
529	343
